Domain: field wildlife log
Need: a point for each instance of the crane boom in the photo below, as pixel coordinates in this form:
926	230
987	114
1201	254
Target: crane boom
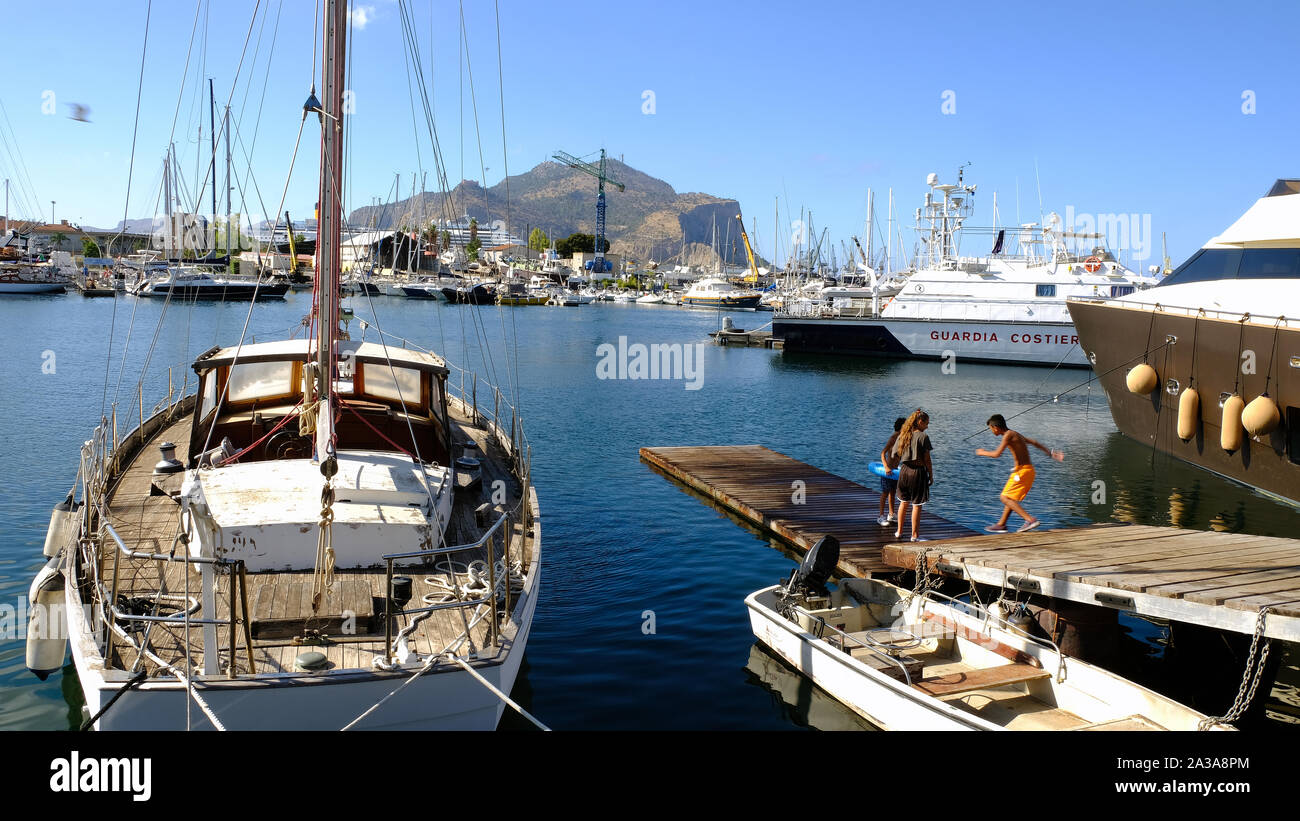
749	252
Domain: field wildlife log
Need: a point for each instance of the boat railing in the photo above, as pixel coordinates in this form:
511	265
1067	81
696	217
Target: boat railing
1202	312
986	615
843	637
503	527
111	614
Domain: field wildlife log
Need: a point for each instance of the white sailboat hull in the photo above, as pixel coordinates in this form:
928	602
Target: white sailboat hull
445	698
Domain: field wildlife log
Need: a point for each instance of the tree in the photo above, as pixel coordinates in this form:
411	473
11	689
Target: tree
578	244
58	239
537	240
472	247
446	240
89	248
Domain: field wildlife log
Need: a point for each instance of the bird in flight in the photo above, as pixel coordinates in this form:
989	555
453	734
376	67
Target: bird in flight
79	112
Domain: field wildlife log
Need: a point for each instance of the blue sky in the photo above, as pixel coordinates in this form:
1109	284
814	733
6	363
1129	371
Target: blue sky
1132	108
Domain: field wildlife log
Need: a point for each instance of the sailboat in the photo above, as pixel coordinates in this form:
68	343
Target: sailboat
328	534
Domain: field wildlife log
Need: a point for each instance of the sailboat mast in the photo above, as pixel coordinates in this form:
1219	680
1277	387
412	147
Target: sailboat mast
212	138
226	128
327	238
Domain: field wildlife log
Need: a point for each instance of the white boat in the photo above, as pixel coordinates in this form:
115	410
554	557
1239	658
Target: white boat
1000	307
650	299
929	662
716	292
314	550
191	283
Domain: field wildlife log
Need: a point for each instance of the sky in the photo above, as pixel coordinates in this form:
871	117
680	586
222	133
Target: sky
1179	114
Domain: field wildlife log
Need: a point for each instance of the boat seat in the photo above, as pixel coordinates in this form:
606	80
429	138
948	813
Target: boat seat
1127	724
954	684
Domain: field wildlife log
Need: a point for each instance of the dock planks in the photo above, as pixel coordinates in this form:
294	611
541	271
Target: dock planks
763	487
1213	579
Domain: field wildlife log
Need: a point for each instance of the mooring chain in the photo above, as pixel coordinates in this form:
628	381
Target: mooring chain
1249	680
923	582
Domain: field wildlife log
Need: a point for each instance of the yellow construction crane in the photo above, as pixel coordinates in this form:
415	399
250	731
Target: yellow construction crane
749	252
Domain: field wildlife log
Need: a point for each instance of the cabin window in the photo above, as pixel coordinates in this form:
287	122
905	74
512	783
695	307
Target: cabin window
259	380
209	393
1207	264
1270	263
1048	290
1121	290
388	382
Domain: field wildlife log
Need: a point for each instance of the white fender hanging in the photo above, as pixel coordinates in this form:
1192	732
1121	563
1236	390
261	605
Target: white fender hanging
63	526
47	635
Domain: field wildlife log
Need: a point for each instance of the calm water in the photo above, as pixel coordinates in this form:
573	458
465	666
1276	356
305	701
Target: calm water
619	540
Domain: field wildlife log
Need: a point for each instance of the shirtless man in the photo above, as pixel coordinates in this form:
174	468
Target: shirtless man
1022	474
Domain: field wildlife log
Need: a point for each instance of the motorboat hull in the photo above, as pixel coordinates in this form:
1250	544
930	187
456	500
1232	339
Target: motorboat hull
1019	343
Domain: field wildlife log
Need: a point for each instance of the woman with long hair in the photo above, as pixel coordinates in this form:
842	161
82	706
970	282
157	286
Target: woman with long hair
915	473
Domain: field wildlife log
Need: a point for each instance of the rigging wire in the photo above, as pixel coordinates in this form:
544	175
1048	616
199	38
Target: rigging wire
130	172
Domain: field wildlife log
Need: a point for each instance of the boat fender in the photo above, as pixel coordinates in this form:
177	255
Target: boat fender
47	637
63	524
1189	413
883	472
1261	416
1142	379
1230	430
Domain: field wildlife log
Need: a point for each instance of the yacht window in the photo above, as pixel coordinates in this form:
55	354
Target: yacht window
1045	290
379	381
209	393
1268	263
1207	264
259	380
1121	290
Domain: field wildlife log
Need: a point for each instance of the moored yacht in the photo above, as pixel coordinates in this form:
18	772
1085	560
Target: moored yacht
1206	366
194	283
197	565
717	292
1000	307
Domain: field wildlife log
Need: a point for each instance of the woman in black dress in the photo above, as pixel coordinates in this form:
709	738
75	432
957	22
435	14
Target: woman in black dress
915	473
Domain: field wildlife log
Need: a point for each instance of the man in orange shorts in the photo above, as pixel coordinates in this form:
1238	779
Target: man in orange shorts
1022	474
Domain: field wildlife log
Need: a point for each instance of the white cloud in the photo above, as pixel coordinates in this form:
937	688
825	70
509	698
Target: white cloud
361	15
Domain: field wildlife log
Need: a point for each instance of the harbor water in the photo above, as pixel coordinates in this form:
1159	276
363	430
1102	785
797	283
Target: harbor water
641	624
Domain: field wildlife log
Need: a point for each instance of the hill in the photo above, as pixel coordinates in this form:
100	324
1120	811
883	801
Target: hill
647	221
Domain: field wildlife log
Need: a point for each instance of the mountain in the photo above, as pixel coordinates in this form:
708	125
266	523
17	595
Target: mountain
647	221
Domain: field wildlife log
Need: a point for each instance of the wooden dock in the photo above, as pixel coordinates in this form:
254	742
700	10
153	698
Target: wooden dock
1218	580
794	500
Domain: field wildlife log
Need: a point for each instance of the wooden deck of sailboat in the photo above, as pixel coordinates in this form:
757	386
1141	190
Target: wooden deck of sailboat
347	627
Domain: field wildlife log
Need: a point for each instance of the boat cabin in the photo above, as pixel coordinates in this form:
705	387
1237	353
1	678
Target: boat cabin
387	400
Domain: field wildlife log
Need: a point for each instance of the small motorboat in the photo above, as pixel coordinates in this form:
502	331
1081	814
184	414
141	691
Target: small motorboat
931	662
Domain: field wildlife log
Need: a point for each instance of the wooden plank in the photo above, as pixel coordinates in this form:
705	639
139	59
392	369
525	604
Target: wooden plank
1003	675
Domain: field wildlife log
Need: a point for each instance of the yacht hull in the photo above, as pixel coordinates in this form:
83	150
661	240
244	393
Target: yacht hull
229	292
445	698
1119	335
1020	343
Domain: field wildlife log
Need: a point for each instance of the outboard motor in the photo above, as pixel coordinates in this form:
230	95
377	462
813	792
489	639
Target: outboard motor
811	576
